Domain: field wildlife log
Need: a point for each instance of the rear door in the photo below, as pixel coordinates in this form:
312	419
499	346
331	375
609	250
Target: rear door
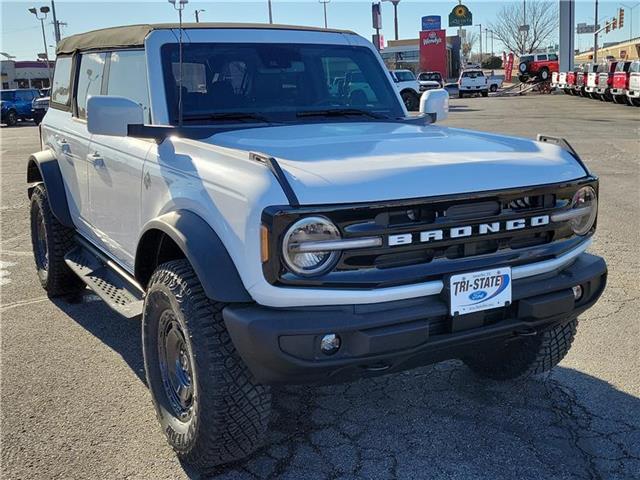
23	101
116	163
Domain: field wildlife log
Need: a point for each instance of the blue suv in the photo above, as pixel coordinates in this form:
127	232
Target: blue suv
17	105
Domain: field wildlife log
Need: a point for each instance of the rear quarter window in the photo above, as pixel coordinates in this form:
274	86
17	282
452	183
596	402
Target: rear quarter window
61	91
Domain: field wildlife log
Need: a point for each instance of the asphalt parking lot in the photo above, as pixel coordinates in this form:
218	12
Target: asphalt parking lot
75	404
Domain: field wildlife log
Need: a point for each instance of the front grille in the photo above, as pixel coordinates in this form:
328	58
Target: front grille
418	261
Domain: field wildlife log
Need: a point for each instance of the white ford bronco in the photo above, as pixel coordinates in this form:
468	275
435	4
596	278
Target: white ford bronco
272	225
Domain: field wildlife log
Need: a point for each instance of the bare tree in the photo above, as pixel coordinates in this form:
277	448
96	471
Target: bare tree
541	17
468	41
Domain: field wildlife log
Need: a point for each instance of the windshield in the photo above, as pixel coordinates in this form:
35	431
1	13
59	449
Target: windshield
430	76
472	74
526	58
623	66
7	96
275	82
404	75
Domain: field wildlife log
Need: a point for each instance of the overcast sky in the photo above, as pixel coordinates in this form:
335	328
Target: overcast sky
22	37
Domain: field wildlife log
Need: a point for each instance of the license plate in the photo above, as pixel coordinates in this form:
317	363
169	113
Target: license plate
477	291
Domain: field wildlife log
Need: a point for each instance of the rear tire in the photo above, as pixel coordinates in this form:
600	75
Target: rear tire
51	241
12	118
208	404
527	356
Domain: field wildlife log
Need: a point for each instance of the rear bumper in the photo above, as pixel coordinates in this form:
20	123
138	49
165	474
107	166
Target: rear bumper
283	345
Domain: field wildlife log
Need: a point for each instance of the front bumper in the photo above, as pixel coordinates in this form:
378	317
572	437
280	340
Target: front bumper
282	345
633	93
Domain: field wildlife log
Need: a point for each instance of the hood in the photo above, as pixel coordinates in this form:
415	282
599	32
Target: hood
355	162
429	82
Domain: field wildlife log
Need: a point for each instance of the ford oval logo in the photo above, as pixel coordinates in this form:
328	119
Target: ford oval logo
479	295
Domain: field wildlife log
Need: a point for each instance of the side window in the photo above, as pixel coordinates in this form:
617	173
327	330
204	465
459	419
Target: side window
23	96
128	78
89	79
61	90
542	58
553	57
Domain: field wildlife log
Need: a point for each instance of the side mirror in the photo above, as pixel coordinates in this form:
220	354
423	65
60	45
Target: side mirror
112	115
436	104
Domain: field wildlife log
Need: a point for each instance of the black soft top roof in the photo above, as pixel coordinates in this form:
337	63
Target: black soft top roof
133	35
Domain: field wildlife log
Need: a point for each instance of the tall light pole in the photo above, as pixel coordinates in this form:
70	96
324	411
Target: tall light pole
56	23
270	13
630	7
324	6
595	37
42	18
198	12
480	25
395	16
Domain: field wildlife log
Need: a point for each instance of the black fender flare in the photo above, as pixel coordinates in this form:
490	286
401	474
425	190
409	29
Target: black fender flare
42	167
203	249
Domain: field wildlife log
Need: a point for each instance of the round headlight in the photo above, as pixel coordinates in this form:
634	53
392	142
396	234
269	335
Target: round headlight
584	201
300	260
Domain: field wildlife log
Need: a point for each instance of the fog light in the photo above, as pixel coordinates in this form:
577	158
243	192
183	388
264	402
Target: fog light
577	292
330	344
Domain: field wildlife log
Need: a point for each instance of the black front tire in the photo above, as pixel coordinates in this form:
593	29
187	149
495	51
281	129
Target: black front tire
494	88
51	241
461	95
217	413
485	94
544	74
527	356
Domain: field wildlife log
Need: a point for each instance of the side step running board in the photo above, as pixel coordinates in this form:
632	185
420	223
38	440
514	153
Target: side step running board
110	283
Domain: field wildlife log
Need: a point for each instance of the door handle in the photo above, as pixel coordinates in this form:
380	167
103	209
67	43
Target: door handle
96	160
64	146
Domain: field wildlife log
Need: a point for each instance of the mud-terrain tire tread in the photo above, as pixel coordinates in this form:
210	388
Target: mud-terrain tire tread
233	410
59	279
531	356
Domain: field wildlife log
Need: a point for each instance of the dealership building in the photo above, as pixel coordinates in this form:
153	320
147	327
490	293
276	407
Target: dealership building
405	54
24	74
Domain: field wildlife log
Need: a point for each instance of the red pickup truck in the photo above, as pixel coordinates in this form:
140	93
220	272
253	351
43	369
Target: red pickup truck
621	82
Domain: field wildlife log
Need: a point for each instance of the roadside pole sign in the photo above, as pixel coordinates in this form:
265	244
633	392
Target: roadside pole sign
460	16
376	15
432	22
433	51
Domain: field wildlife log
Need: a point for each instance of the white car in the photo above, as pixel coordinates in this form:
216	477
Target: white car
270	224
472	82
409	88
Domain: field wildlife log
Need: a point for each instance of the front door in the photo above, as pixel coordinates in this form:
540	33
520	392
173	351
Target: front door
116	163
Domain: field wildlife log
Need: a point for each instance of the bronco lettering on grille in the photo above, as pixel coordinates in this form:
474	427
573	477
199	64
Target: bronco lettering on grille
468	231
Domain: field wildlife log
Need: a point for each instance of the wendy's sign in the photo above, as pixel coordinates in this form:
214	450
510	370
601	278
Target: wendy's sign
433	51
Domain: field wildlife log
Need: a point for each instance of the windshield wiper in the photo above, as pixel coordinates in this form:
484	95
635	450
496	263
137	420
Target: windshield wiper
340	112
227	116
